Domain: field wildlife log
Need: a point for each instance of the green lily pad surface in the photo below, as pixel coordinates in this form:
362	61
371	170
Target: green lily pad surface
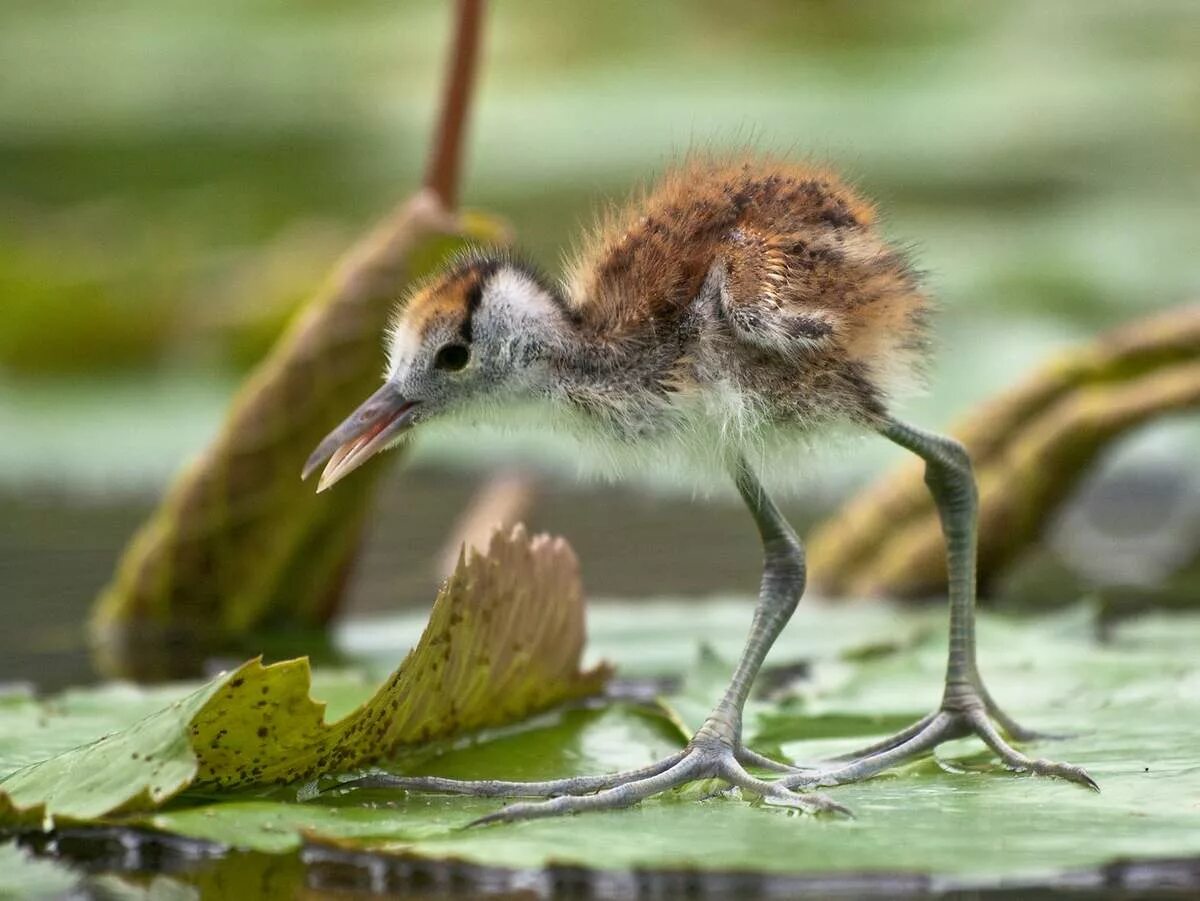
840	677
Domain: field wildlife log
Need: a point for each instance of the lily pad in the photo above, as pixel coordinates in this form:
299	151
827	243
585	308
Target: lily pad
1133	711
1131	697
504	639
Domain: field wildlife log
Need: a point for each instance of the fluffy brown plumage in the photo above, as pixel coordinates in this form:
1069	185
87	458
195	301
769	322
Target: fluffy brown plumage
736	303
804	275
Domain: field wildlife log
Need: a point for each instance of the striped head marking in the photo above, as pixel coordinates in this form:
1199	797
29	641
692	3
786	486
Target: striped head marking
478	329
441	312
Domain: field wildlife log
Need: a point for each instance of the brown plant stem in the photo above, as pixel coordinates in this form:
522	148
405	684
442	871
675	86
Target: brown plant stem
445	162
239	542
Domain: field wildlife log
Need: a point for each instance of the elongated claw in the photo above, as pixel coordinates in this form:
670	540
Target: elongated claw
1023	763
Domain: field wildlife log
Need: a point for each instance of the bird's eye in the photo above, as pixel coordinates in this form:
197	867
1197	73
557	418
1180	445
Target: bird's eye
452	357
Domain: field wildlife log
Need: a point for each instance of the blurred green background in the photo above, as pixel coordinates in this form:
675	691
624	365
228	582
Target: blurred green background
176	177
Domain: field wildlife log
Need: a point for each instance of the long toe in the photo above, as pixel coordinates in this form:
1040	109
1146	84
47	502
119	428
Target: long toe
624	795
746	757
887	744
928	732
528	810
808	802
777	793
1068	771
912	743
493	788
1014	759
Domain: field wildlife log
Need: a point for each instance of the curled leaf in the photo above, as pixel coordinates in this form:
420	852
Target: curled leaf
1030	445
239	543
504	640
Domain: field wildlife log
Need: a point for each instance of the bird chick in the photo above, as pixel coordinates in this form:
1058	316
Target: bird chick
737	306
734	305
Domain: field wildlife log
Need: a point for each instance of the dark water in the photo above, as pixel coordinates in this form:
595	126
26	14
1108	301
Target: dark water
1122	538
112	863
57	552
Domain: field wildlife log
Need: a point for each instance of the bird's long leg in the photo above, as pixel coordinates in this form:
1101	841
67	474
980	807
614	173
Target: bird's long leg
716	750
782	585
966	706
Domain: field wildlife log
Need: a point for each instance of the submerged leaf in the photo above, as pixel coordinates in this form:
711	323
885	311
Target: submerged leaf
504	639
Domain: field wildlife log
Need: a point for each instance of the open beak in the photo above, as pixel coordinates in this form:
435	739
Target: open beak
369	429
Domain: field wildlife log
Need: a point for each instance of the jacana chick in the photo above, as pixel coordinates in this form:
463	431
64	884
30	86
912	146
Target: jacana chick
737	308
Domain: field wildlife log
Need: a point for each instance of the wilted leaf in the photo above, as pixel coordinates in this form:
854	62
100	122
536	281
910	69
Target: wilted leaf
504	639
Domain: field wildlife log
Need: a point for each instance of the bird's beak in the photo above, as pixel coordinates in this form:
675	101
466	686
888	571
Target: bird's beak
367	430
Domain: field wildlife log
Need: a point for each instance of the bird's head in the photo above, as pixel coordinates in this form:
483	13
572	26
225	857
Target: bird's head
477	334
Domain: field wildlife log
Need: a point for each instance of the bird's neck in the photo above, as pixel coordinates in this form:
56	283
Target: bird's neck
574	361
612	382
575	354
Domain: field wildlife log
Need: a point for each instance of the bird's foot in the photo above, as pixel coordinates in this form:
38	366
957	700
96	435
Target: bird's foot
967	711
703	758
